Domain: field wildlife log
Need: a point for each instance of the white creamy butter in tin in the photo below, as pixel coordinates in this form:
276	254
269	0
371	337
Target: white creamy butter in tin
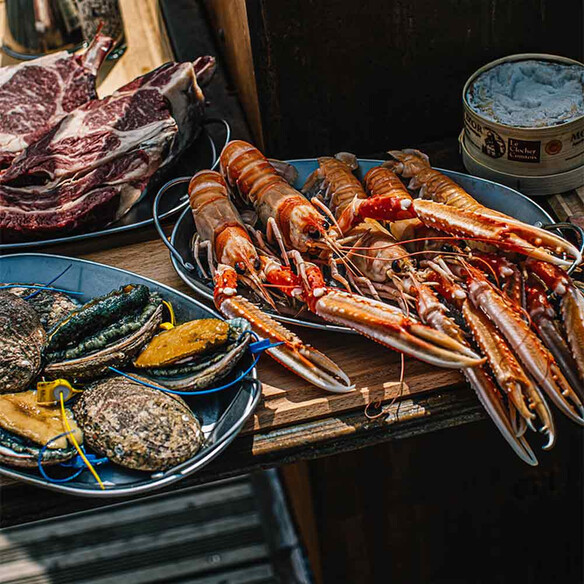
524	117
529	94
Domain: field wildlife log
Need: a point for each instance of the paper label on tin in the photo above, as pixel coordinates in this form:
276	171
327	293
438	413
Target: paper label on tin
577	138
502	149
524	150
493	144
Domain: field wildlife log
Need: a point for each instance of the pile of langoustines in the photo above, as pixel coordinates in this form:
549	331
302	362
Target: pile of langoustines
439	277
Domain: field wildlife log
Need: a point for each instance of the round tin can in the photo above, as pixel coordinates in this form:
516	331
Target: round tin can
546	150
530	185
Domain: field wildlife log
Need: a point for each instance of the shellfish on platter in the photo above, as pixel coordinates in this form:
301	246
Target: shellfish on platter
22	341
51	306
26	426
194	354
137	427
106	332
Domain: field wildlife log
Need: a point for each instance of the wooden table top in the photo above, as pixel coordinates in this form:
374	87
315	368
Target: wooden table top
294	420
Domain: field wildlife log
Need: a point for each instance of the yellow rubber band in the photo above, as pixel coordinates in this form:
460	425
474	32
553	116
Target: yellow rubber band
168	325
77	447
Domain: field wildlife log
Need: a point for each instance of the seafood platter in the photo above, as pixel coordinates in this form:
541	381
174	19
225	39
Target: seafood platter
82	167
112	384
453	270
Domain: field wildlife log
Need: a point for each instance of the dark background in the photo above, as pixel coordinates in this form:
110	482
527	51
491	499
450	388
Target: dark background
368	75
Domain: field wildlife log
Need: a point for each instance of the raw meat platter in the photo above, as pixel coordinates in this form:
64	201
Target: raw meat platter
74	166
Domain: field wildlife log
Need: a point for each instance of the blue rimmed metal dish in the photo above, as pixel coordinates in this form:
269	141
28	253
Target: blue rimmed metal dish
222	414
488	193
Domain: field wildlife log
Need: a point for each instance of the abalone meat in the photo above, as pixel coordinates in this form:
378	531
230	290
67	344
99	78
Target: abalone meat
26	426
195	354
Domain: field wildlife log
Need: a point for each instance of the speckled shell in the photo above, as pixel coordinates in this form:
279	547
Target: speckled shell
136	426
22	340
51	306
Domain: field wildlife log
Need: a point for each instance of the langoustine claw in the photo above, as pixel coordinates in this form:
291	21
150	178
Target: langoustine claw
300	358
382	322
523	395
571	308
445	205
533	354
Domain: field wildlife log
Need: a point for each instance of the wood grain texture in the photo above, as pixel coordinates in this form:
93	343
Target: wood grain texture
296	481
229	19
570	205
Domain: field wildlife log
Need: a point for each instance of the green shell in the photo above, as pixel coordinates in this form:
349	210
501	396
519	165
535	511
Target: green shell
98	314
104	337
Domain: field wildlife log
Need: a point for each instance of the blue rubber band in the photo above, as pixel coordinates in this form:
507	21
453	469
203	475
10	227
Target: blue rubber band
75	462
78	462
200	392
42	470
258	353
51	282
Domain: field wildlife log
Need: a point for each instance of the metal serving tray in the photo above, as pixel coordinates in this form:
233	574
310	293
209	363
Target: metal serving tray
221	414
490	194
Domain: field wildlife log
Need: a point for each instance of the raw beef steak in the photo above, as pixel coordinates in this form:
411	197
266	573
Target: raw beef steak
91	167
35	95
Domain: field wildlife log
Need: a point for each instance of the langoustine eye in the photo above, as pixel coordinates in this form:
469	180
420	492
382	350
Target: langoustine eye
313	232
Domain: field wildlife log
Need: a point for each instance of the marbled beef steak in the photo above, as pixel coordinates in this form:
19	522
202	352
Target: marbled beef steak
91	167
35	95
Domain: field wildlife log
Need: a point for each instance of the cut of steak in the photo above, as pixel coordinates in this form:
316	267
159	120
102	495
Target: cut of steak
35	95
91	167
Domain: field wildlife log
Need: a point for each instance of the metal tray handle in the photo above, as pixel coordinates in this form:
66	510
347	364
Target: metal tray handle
186	179
570	227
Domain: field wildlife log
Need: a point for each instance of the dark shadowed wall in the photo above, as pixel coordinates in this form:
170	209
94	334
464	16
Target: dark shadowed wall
361	75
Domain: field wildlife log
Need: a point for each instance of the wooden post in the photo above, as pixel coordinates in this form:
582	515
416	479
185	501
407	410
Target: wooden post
299	491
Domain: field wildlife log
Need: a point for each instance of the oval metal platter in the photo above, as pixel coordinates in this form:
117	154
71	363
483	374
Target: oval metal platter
490	194
221	414
199	155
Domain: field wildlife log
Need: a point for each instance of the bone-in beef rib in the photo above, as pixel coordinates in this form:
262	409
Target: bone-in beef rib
91	167
35	95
